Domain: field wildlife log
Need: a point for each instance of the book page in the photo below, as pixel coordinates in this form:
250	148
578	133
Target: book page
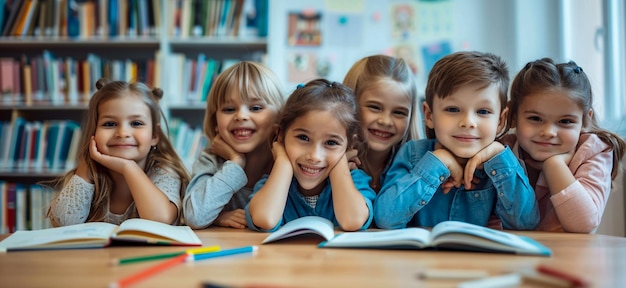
450	231
137	229
399	238
92	234
304	225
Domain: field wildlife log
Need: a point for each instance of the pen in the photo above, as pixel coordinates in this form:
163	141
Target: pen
197	257
574	280
130	260
150	271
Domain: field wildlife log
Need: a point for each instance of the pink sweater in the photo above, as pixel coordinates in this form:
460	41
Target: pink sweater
579	207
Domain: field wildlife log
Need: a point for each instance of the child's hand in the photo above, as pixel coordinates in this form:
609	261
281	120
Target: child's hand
477	162
116	164
353	160
220	148
278	150
235	219
564	158
456	171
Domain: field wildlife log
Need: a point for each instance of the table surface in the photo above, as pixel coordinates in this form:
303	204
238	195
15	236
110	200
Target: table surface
297	262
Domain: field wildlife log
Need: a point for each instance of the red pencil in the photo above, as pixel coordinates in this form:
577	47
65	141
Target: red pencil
150	271
574	280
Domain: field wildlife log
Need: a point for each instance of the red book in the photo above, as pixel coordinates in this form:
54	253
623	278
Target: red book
10	212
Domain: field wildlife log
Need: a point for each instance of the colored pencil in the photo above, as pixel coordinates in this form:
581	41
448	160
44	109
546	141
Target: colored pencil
573	279
227	252
137	259
150	271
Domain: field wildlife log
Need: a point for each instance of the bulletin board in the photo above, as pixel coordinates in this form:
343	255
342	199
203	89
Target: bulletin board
311	39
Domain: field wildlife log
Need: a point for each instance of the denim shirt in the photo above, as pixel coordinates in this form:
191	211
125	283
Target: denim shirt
296	207
413	195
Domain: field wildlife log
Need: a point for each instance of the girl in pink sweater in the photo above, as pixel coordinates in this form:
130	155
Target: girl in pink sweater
569	159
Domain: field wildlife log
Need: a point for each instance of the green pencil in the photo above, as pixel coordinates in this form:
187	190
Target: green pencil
146	258
136	259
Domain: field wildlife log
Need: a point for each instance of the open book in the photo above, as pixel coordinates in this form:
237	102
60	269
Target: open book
101	234
448	235
305	225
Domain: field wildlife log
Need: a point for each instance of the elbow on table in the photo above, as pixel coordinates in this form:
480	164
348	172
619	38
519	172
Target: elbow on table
263	222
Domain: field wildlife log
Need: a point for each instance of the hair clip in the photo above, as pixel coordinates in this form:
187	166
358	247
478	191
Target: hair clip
578	69
299	86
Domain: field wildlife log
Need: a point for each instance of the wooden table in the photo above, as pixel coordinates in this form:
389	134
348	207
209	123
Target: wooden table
298	262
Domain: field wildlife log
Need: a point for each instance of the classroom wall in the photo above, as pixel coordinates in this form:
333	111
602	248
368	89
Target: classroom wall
506	28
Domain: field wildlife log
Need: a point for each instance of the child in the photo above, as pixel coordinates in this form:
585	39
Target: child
127	166
242	109
569	159
464	111
385	90
311	174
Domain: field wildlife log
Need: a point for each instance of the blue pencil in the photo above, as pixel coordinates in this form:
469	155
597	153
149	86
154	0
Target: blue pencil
245	249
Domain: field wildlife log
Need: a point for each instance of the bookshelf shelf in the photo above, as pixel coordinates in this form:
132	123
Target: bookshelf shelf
221	42
51	42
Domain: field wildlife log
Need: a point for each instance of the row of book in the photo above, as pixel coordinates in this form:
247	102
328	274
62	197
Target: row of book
52	145
49	145
23	206
81	18
50	79
86	19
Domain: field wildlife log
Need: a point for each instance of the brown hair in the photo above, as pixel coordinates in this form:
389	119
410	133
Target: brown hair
544	74
163	156
466	68
247	80
322	95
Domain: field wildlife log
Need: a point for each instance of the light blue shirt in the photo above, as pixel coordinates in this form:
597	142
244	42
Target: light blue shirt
413	196
296	207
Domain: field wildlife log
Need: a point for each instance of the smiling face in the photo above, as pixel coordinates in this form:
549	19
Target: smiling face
245	125
385	113
125	129
314	146
466	121
548	123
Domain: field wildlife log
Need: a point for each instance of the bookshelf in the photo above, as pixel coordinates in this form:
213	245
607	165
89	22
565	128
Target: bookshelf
158	42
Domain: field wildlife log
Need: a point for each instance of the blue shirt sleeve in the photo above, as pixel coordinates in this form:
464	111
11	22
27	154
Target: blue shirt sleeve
413	178
516	205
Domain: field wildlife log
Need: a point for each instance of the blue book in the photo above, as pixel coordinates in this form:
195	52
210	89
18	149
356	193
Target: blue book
114	22
73	26
52	134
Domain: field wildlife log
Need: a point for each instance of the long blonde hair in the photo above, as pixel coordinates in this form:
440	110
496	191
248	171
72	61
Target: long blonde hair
163	156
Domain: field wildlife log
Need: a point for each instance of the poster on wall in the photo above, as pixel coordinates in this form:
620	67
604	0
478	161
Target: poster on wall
304	28
402	21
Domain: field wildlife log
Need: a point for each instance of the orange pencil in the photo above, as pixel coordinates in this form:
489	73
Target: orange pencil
150	271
